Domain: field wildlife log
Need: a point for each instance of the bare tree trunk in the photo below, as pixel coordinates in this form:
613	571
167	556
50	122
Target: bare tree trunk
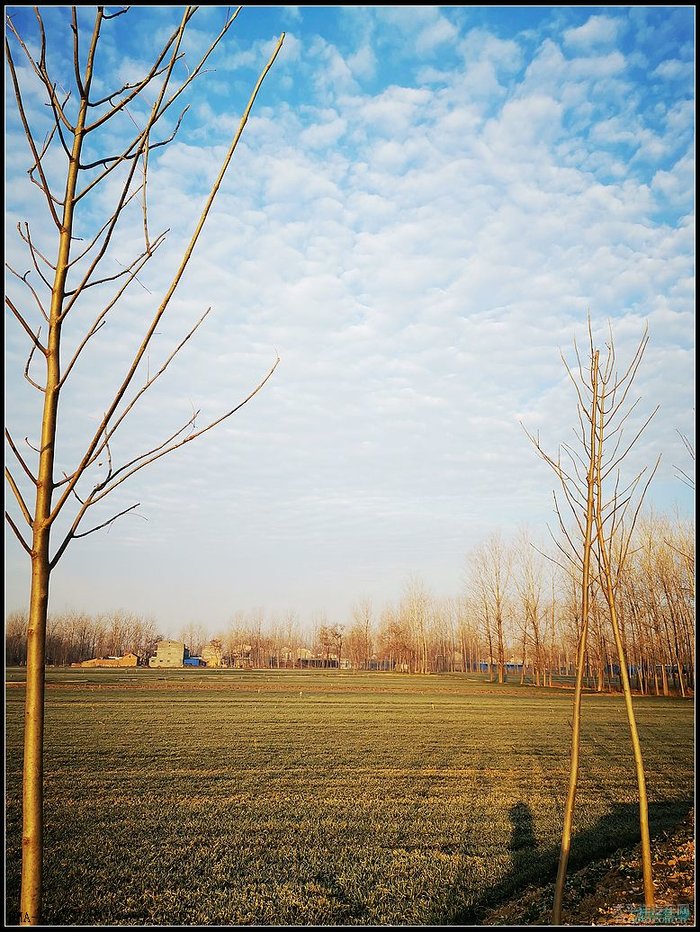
501	648
580	665
33	771
634	735
604	550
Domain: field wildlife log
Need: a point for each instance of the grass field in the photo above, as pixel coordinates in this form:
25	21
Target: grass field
291	798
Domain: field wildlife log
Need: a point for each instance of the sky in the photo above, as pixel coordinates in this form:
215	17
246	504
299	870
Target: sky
425	206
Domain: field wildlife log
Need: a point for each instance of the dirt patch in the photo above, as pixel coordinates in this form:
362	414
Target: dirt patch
609	891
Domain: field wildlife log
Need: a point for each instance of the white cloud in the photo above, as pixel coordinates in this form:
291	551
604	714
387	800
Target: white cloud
677	184
363	63
417	256
420	31
598	66
673	68
324	134
334	76
394	112
598	30
435	34
503	54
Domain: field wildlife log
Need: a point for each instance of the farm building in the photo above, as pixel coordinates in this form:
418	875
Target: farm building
128	660
169	654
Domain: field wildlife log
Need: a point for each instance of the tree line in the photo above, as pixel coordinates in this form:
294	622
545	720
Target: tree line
516	618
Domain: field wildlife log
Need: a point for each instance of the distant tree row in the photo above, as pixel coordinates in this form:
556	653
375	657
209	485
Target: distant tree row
74	636
517	618
527	611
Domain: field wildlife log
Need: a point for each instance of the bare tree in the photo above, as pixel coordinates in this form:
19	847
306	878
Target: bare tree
528	583
359	637
414	611
395	639
491	570
16	639
88	158
194	637
604	521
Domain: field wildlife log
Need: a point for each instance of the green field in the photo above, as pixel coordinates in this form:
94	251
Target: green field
290	798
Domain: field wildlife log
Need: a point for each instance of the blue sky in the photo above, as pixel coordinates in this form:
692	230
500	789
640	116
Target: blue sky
426	204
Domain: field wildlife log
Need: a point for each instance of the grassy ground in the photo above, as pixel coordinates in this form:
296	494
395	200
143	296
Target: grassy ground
324	798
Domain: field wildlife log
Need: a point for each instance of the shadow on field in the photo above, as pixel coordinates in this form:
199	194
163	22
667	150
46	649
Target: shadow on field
531	865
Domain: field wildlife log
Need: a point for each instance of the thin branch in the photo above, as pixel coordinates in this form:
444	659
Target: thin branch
107	485
176	39
72	535
127	155
18	495
152	378
20	458
31	381
34	253
636	513
76	259
687	444
28	134
576	460
130	173
548	556
582	406
34	337
130	86
124	9
123	200
44	149
630	445
25	281
43	75
193	436
27	238
57	110
76	53
18	534
629	376
100	319
125	270
110	521
40	68
685	478
75	494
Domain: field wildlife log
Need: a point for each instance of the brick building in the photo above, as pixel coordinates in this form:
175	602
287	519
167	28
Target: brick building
169	654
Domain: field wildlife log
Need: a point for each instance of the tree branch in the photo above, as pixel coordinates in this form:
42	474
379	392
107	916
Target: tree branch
27	131
18	495
139	463
32	336
72	535
171	290
18	534
20	458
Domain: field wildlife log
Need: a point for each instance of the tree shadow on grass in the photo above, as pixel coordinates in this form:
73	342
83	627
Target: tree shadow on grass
533	865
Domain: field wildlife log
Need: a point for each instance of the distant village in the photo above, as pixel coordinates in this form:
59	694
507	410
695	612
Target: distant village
174	654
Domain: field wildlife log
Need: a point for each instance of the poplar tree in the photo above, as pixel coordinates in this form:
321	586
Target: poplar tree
92	168
604	510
